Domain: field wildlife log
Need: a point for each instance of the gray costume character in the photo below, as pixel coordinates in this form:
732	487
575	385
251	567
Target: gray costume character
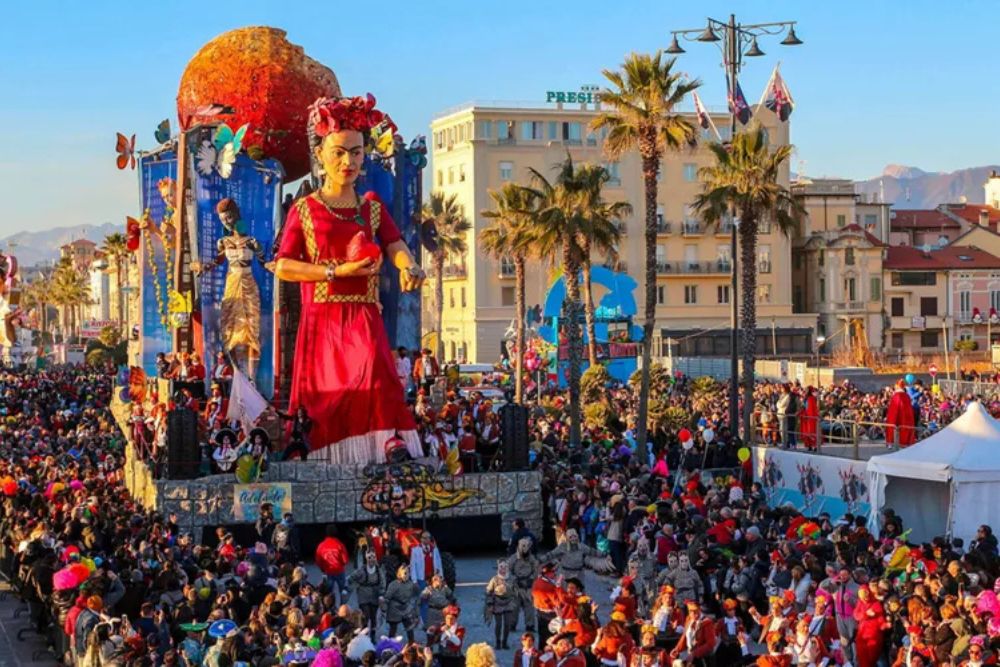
684	578
523	568
436	596
368	582
573	557
642	568
501	604
399	603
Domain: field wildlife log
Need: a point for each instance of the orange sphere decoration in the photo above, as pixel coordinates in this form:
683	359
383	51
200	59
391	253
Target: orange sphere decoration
268	82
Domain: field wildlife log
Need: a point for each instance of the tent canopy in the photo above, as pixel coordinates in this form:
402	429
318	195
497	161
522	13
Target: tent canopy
967	450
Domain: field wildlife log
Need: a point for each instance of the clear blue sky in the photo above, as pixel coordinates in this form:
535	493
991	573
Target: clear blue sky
875	82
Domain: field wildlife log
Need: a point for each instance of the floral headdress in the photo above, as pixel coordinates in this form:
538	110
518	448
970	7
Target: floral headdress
328	115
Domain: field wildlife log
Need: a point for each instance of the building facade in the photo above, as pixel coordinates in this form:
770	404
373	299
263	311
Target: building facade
837	260
478	148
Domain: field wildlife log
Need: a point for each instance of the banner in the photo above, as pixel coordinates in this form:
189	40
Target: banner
93	328
247	499
256	189
156	171
813	483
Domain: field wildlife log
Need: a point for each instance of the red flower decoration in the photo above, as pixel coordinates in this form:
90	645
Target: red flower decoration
346	113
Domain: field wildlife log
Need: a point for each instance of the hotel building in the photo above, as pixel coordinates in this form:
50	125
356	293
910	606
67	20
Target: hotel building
476	148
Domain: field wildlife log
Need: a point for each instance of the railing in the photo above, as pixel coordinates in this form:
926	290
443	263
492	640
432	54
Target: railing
618	267
686	267
764	266
663	228
506	270
692	228
838	437
763	227
848	305
506	140
451	271
976	388
724	228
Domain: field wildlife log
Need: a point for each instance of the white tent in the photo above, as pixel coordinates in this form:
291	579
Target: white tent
948	483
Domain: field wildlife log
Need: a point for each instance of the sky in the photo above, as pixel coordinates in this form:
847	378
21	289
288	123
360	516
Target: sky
874	82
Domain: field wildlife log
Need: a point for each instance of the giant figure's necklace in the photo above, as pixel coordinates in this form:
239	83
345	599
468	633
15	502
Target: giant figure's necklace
356	218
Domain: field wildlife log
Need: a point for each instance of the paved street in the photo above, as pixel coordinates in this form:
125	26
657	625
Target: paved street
14	653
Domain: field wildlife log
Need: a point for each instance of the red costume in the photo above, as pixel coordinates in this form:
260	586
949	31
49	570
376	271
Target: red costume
810	421
697	638
344	374
574	658
900	416
546	595
331	556
608	646
871	624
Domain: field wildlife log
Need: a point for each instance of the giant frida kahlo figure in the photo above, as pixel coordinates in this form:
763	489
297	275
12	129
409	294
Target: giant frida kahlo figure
343	372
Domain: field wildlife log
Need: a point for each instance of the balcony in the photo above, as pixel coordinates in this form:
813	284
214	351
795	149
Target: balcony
724	228
847	306
967	317
917	322
692	228
507	270
763	266
663	227
506	141
693	267
622	228
764	227
617	267
451	272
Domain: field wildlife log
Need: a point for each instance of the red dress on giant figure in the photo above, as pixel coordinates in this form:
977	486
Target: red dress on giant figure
343	372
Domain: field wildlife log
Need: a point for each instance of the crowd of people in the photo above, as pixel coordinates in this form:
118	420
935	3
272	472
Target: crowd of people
645	562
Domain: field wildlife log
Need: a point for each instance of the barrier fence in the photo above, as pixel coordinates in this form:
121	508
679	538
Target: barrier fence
838	437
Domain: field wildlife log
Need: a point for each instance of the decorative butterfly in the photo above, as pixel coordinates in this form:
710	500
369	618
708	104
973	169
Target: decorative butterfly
126	150
383	135
221	153
162	133
133	233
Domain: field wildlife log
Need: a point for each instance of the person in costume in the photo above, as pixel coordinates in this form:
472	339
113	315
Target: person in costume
697	643
523	567
527	655
546	595
566	653
501	604
225	453
452	636
809	420
899	416
240	317
344	373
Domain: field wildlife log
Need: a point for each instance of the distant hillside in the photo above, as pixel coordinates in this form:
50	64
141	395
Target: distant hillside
911	187
33	248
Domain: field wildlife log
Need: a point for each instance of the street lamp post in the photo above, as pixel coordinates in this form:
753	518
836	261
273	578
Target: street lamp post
819	344
737	41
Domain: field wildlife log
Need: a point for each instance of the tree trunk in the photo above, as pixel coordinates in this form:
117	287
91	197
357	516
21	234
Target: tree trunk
571	314
519	329
121	318
588	303
748	317
650	166
439	300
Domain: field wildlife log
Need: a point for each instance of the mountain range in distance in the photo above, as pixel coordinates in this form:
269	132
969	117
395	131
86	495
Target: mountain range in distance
911	187
42	247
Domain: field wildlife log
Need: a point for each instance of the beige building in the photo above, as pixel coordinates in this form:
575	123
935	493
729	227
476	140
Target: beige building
837	262
476	148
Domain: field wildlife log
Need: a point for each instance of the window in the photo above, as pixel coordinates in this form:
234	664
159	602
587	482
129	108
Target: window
591	139
451	297
661	295
505	130
896	306
553	130
965	335
659	215
995	300
439	140
875	289
850	291
461	173
531	130
841	220
897	341
690	294
722	292
764	259
822	290
485	129
461	132
821	259
763	294
928	306
870	220
506	171
965	304
463	297
797	305
914	279
440	178
796	261
506	296
849	256
614	177
929	338
690	172
451	175
572	133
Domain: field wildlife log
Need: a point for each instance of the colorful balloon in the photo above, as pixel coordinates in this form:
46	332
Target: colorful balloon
708	434
910	378
684	435
743	454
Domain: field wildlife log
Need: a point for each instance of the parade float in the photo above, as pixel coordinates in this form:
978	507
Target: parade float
222	202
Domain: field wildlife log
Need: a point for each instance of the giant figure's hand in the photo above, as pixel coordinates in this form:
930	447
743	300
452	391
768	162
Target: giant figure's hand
362	267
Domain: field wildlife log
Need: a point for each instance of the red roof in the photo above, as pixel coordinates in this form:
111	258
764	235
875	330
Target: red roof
921	219
970	212
906	258
856	228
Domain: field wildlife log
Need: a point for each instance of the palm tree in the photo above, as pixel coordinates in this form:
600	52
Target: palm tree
69	291
641	115
745	179
452	227
601	233
115	247
511	236
35	296
559	221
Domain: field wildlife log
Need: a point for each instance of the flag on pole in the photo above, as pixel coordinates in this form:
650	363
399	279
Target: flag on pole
738	104
704	119
779	98
245	402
